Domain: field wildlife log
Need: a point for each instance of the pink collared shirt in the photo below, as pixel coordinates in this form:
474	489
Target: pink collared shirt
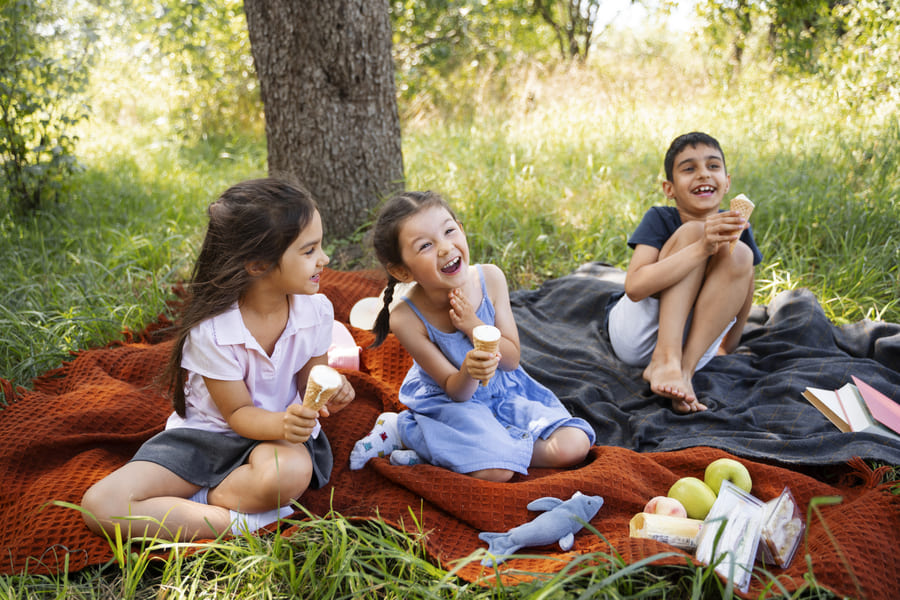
222	347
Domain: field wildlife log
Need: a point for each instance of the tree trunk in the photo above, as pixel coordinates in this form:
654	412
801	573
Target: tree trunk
326	78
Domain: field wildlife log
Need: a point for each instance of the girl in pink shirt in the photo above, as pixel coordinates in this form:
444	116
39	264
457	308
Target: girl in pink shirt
239	446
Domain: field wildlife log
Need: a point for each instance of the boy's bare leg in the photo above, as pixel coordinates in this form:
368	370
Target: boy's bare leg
665	372
722	297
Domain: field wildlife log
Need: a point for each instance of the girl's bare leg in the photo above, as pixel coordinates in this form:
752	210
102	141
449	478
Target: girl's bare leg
144	499
275	474
565	447
495	475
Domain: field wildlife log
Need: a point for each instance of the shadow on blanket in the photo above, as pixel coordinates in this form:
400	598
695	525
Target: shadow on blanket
88	417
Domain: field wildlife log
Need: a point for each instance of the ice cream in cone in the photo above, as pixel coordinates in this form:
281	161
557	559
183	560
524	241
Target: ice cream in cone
323	383
743	205
487	338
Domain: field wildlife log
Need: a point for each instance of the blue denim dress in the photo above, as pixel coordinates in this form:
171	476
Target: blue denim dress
496	428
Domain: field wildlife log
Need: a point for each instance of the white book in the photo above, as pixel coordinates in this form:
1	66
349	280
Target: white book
854	408
827	402
847	409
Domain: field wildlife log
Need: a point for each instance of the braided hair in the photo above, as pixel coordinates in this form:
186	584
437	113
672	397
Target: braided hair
386	242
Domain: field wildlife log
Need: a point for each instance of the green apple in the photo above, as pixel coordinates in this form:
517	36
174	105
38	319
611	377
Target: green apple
727	469
696	497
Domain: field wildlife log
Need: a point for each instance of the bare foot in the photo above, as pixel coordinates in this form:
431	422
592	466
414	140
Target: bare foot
683	407
669	381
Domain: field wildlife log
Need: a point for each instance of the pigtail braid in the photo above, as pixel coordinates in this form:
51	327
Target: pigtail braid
382	326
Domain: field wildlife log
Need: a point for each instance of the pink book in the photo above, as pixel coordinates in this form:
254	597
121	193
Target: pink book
885	410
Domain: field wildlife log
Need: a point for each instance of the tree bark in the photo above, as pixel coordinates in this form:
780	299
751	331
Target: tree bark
326	78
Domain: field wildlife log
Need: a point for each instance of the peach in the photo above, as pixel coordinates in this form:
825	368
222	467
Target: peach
664	505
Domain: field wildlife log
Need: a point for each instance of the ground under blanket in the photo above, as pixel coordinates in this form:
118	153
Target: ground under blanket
88	417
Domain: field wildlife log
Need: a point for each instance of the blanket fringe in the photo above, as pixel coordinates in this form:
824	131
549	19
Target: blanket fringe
9	393
870	478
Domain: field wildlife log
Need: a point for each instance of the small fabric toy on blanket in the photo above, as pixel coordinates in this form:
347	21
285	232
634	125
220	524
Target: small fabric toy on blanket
560	523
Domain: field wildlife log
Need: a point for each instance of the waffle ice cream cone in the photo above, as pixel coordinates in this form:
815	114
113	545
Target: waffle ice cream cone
323	383
743	205
487	338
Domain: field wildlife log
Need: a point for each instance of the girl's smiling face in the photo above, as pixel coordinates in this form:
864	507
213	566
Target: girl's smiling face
699	181
434	249
300	267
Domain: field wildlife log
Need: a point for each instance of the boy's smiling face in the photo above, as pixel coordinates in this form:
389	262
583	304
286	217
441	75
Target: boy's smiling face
699	182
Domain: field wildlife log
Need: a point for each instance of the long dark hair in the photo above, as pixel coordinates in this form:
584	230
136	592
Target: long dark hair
386	242
251	222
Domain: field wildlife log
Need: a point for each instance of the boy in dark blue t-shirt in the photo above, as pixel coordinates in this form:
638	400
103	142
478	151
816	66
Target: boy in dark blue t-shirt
687	294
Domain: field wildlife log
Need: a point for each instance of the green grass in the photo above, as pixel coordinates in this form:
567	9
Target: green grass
554	171
334	557
105	261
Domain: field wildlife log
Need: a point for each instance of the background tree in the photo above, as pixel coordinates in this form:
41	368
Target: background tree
327	83
206	46
573	22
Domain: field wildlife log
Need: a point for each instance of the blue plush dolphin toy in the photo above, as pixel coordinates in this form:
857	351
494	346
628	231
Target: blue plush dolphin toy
560	523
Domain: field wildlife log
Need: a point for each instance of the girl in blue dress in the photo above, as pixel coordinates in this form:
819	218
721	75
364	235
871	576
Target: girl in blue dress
487	431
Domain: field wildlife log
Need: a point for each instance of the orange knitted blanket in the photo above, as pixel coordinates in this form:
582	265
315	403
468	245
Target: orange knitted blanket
88	417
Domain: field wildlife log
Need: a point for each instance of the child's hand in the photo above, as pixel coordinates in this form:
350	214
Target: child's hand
341	398
462	313
723	228
299	422
481	365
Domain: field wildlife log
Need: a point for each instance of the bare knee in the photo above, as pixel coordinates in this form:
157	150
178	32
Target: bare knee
687	233
566	447
573	446
742	259
286	476
100	503
734	267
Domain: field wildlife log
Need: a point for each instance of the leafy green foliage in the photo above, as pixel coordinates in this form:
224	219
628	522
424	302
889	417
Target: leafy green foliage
801	37
864	66
572	22
106	262
44	62
203	50
444	46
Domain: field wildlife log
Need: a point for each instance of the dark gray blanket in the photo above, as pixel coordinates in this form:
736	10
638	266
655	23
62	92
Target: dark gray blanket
754	395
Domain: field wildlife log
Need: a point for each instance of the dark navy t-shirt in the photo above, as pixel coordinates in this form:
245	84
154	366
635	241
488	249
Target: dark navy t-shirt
660	222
